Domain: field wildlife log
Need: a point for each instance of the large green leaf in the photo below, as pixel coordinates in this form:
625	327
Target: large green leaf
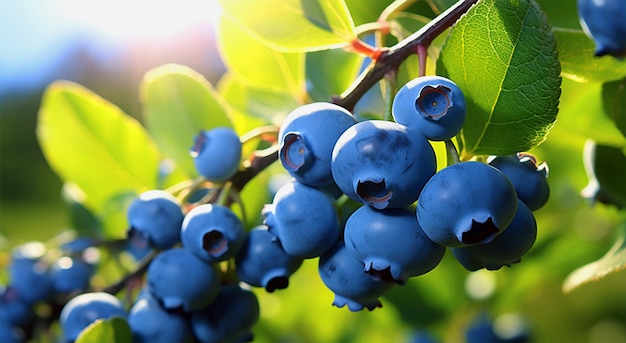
106	330
578	61
269	68
614	102
330	72
178	102
294	25
93	144
613	261
502	54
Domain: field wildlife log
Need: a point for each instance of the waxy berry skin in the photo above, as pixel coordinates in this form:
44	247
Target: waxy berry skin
85	309
382	164
432	105
528	177
178	279
212	232
303	219
343	274
506	249
262	261
605	22
466	203
217	153
307	137
155	216
390	243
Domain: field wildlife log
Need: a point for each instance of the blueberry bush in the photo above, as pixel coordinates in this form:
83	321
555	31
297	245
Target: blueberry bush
405	171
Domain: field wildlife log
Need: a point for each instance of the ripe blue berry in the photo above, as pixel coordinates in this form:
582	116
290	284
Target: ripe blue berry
603	21
29	275
156	215
466	203
343	274
304	220
11	334
382	164
212	233
85	309
217	154
528	178
151	323
229	318
390	243
432	105
307	136
506	248
262	261
178	279
71	274
14	310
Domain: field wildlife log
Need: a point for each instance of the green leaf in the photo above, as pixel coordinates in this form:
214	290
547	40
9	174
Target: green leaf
330	72
605	166
502	54
294	25
255	105
578	61
93	144
613	261
112	330
269	69
178	102
614	102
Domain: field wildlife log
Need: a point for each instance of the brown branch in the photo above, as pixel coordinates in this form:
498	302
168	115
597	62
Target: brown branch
395	55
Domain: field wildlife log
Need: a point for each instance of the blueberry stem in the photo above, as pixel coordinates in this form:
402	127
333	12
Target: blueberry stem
452	155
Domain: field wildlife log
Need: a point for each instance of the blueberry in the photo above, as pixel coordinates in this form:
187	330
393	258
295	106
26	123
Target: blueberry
432	105
390	243
529	178
70	274
466	203
14	310
382	164
85	309
156	215
307	136
506	248
262	261
229	318
11	334
212	232
178	279
603	21
217	154
151	323
343	274
304	220
28	273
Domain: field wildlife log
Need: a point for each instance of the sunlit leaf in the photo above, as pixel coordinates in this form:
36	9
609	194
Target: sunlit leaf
502	54
294	25
614	102
93	144
613	261
106	330
178	102
606	169
330	72
576	53
270	69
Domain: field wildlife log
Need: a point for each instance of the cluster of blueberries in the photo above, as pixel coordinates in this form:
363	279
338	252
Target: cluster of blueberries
350	203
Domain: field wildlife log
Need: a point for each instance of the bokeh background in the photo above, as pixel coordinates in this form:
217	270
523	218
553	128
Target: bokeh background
107	46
